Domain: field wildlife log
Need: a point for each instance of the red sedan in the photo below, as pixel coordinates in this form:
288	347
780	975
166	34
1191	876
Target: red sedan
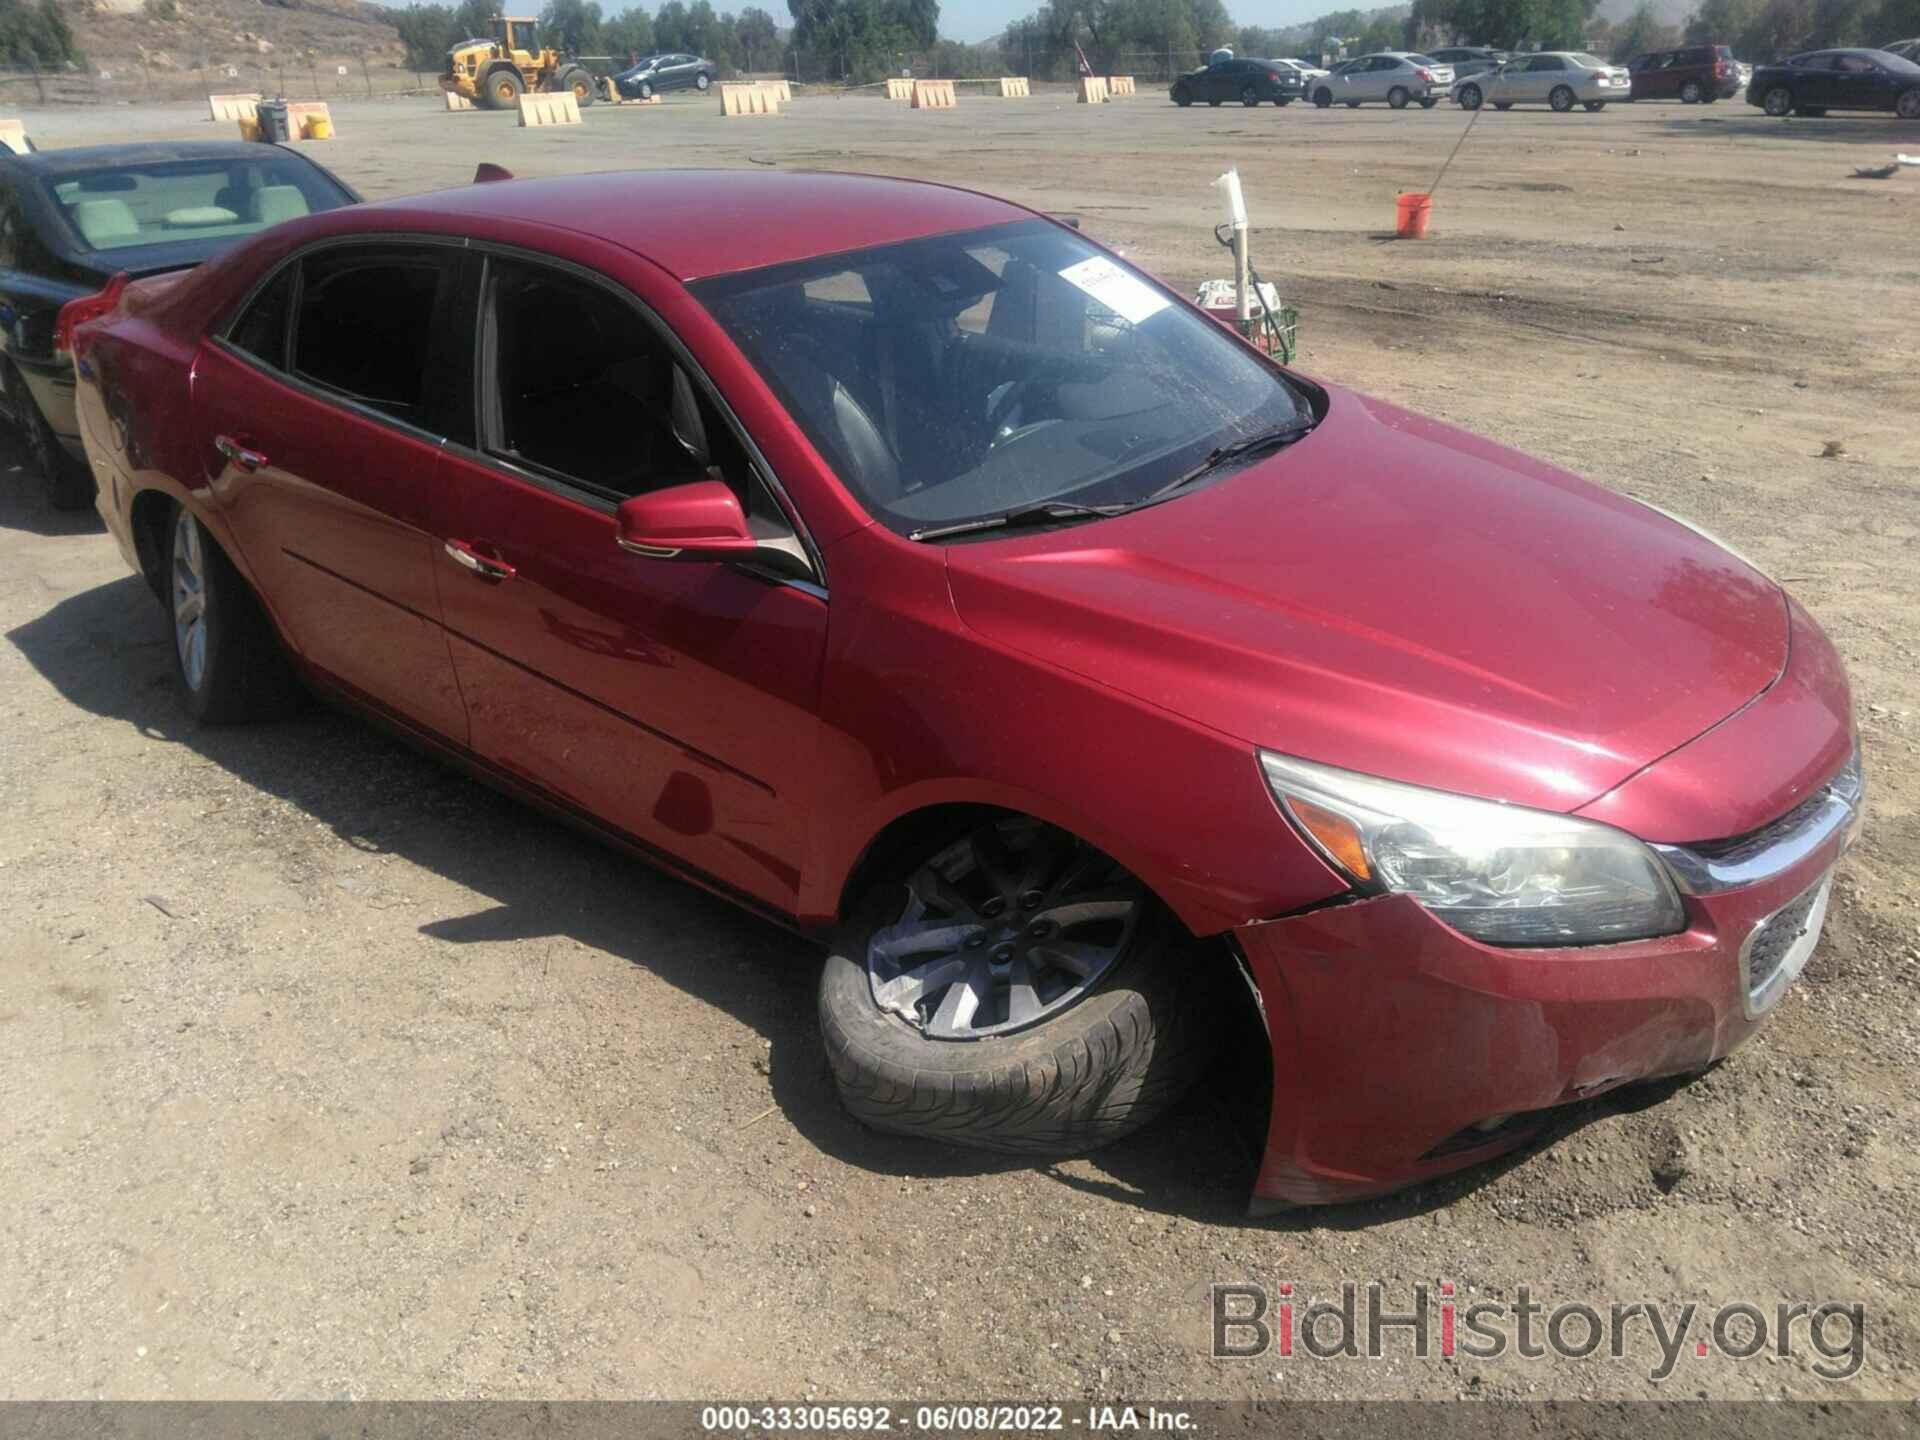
903	565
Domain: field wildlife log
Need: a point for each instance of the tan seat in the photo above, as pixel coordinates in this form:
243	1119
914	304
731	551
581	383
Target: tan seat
274	203
105	222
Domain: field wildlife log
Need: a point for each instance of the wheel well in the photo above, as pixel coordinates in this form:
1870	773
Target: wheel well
886	855
151	514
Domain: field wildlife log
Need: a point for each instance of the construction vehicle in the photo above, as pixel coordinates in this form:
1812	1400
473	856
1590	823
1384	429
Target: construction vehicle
495	73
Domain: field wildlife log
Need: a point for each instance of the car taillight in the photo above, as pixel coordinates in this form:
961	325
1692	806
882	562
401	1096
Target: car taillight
88	307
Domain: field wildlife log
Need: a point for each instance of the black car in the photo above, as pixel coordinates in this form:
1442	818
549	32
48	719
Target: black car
1248	81
1824	80
70	220
665	72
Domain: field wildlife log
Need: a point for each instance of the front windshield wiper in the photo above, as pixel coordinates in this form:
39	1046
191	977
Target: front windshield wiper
1046	512
1265	440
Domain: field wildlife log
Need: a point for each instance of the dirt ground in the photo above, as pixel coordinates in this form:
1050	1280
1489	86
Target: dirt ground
325	1072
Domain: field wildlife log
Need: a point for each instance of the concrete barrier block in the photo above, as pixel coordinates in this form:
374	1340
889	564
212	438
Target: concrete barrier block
309	120
556	109
899	89
1092	90
13	135
747	99
1014	87
232	107
456	102
1118	85
781	90
933	95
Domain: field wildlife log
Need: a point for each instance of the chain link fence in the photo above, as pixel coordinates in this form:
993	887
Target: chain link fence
136	83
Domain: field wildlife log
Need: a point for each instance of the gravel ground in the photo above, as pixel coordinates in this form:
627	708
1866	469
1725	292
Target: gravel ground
327	1073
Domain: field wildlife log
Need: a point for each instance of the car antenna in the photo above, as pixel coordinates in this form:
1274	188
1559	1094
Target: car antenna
486	171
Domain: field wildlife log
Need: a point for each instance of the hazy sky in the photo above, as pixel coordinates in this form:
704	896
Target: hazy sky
977	19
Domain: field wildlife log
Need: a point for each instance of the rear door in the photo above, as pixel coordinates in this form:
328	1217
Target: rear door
1860	84
1655	80
321	412
672	700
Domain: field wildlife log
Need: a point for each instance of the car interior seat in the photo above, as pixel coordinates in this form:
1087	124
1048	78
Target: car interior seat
105	223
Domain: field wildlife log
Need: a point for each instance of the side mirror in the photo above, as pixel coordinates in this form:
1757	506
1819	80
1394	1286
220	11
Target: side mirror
701	520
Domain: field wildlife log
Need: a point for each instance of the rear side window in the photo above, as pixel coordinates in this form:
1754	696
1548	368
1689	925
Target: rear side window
363	326
262	328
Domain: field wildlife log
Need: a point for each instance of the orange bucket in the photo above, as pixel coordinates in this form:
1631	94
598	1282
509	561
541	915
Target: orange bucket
1415	208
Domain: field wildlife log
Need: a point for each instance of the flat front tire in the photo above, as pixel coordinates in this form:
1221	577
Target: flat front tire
225	653
1016	991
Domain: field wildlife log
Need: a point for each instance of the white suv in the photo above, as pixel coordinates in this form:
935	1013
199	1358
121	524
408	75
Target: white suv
1395	76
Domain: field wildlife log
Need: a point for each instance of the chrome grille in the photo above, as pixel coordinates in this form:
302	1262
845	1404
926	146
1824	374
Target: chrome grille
1716	865
1778	949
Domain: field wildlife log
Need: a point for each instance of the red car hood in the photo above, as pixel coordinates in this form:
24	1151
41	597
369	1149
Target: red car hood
1395	596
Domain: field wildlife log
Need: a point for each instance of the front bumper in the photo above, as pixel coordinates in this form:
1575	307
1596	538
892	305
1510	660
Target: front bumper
1401	1047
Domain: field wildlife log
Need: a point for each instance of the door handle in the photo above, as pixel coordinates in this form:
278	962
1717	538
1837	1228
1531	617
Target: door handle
466	556
239	454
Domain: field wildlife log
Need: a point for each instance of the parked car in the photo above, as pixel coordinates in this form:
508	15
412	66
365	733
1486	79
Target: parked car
1307	71
1469	59
1395	76
1559	78
659	73
1233	78
72	219
1693	75
923	576
1824	80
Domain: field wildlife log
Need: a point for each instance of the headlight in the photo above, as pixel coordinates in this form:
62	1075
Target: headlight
1502	874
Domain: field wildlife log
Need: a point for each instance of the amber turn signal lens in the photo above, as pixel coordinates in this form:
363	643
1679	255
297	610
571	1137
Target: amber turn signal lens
1337	835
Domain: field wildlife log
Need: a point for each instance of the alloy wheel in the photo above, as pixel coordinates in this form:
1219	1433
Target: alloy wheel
1907	107
1561	99
1779	101
1470	98
1001	931
190	599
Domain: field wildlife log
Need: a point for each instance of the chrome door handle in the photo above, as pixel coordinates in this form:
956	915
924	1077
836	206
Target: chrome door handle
239	454
465	555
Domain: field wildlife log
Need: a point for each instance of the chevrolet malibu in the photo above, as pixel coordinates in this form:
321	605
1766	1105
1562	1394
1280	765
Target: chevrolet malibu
926	578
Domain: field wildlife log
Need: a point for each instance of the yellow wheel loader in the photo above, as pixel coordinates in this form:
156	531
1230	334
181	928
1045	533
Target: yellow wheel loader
495	73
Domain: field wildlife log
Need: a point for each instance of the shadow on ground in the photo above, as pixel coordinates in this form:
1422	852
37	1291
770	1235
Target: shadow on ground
108	652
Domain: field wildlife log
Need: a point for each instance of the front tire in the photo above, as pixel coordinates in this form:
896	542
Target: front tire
1778	102
702	82
1428	103
1182	98
1250	97
504	89
66	482
225	654
1322	98
1561	99
1083	1033
1471	98
1691	93
581	84
1397	97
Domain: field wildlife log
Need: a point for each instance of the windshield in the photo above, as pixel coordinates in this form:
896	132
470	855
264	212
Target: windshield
123	206
966	375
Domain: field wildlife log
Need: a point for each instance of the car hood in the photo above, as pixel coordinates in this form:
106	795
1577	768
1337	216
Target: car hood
1396	596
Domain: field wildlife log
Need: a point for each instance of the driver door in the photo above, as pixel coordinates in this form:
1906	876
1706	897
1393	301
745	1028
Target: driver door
672	700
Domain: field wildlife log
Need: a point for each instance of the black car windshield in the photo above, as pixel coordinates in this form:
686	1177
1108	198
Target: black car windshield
124	207
963	376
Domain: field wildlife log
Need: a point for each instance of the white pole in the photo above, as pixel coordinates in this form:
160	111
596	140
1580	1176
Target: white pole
1236	206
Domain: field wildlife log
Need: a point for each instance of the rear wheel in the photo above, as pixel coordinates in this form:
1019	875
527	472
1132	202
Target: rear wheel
1250	97
1907	107
1470	97
1182	96
1691	93
1397	97
1016	990
1777	101
702	81
66	482
225	653
1323	97
581	84
1561	99
504	89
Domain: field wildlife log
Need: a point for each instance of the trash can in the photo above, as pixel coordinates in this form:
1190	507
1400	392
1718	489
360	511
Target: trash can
274	128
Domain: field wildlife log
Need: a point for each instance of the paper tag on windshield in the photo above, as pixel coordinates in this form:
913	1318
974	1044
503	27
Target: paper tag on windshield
1128	296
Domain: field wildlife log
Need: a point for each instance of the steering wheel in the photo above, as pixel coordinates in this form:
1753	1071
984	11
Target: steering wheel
1005	406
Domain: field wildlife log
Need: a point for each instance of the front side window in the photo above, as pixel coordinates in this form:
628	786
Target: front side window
1546	62
189	202
962	376
363	325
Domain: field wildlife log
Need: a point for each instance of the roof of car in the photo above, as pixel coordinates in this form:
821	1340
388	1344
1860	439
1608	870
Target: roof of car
56	163
700	223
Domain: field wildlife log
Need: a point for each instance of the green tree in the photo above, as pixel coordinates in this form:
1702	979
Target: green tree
628	33
1640	32
757	39
572	26
1895	20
